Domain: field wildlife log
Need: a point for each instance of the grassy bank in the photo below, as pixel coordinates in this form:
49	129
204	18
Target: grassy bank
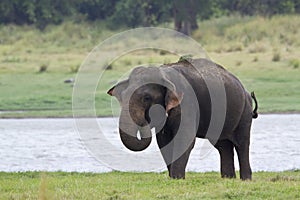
263	52
116	185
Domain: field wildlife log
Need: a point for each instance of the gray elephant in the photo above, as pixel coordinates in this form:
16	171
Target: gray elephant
185	100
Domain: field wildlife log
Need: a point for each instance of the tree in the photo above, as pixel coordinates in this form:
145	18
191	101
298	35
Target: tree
97	9
39	12
297	6
135	13
13	11
263	7
186	13
44	12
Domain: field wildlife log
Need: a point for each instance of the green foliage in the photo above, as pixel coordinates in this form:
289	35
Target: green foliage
276	56
39	12
134	13
266	8
255	59
43	68
74	68
295	63
97	9
128	13
185	58
257	47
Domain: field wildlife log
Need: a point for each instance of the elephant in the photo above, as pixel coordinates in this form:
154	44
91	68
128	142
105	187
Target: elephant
179	100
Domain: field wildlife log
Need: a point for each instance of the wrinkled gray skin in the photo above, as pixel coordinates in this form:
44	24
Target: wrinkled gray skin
166	92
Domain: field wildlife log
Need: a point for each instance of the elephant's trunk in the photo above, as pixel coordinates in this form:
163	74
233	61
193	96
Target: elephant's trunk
128	132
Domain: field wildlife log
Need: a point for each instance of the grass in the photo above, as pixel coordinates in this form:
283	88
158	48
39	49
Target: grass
119	185
35	93
262	52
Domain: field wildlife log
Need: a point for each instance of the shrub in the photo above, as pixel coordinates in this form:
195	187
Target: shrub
109	67
257	47
235	47
276	56
74	68
255	59
127	62
238	63
163	52
43	68
295	63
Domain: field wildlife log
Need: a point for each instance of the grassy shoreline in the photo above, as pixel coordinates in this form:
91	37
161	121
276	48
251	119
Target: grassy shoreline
121	185
54	115
262	52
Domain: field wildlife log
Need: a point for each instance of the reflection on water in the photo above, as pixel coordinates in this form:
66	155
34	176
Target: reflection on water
53	144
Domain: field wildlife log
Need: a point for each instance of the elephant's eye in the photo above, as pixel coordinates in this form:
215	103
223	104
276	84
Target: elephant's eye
147	99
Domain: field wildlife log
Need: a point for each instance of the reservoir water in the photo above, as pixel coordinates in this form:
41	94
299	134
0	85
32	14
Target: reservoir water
55	145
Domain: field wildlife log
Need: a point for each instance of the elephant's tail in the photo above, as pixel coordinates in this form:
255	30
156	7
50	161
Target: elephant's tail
254	112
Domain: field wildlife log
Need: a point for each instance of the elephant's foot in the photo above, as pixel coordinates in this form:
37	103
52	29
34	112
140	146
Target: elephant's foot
228	175
246	174
227	170
176	172
248	178
177	175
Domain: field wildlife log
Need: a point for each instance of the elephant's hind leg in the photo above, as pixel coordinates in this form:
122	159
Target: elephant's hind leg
225	148
242	149
243	155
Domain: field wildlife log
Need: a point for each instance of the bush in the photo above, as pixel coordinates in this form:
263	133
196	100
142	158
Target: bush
257	47
235	47
276	56
238	63
74	68
39	12
134	13
295	63
43	68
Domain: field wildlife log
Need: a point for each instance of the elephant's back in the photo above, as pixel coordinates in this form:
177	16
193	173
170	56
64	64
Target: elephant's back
207	77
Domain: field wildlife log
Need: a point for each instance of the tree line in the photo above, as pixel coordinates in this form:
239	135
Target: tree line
134	13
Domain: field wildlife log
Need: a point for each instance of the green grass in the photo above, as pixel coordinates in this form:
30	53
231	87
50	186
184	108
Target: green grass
34	64
35	93
117	185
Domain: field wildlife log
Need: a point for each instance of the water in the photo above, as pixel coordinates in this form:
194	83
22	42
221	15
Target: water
54	144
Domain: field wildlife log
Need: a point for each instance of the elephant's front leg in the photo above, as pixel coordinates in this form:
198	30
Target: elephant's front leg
177	168
175	153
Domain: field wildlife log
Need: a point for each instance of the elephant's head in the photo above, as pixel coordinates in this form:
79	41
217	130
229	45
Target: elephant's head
144	88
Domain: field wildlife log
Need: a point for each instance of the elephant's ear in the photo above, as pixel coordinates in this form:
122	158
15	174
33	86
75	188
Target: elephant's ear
172	99
117	89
